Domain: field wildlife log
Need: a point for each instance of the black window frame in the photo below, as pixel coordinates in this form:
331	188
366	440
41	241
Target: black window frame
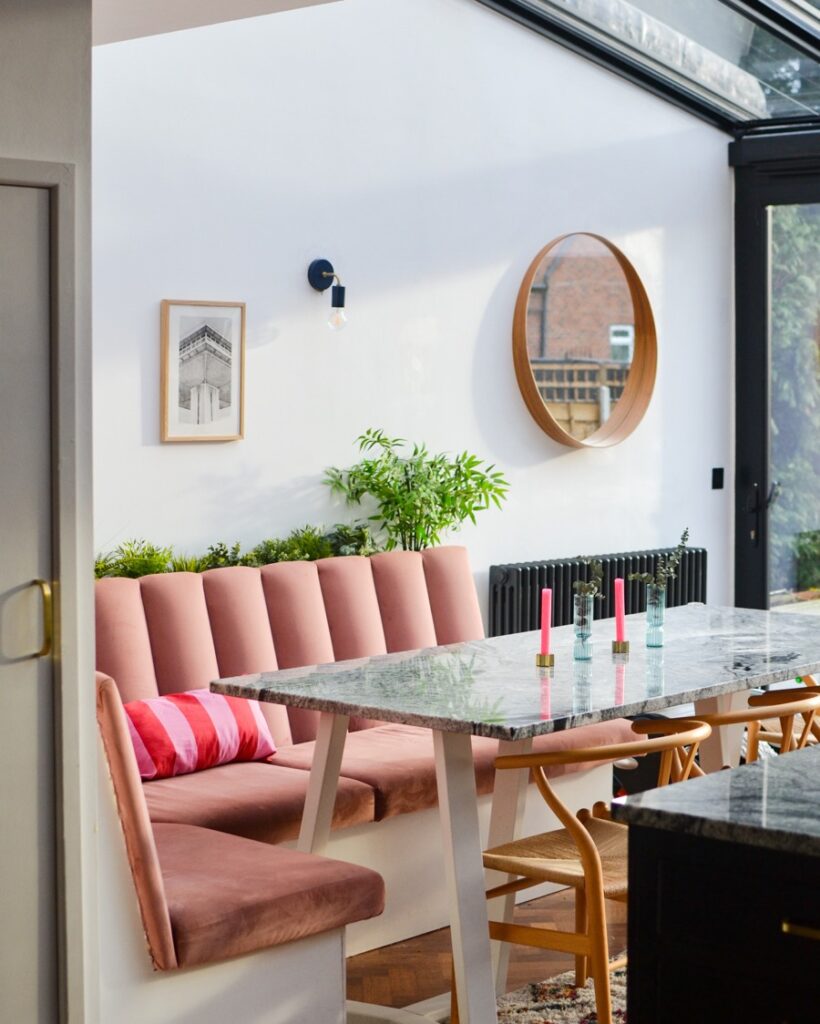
770	170
800	33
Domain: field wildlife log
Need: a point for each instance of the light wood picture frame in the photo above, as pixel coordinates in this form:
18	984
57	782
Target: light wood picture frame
202	372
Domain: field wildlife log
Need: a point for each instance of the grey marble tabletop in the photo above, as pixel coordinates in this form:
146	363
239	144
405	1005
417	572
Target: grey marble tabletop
493	688
773	803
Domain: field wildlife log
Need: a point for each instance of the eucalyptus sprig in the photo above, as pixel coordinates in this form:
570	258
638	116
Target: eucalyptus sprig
667	568
593	585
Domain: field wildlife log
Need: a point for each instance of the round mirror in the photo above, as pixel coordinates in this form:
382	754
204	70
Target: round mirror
584	342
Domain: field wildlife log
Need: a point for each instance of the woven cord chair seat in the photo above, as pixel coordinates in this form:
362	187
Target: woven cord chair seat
553	857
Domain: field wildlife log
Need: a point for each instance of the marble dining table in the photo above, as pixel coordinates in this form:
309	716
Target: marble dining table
492	687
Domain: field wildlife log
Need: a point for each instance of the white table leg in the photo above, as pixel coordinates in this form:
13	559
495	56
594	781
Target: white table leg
464	873
509	802
317	816
723	746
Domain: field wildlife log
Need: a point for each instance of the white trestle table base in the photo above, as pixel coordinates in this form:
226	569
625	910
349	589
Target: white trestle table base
493	688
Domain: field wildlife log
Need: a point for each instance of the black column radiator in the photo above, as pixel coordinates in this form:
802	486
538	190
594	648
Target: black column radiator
515	604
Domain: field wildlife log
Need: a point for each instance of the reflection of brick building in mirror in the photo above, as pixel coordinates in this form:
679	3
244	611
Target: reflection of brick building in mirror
580	333
205	373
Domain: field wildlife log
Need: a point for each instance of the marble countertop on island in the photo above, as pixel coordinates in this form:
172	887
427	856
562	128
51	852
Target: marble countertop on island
493	688
772	803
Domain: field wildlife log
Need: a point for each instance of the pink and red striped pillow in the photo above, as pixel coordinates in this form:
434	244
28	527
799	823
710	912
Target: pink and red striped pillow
187	732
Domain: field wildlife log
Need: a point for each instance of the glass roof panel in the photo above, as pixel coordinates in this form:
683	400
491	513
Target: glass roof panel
706	48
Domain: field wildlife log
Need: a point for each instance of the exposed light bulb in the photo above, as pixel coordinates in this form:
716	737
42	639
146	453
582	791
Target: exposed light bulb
337	319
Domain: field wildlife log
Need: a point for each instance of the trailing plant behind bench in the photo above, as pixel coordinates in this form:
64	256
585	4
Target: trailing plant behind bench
135	558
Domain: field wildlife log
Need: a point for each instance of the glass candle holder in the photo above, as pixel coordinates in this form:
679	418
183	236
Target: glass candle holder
655	610
582	621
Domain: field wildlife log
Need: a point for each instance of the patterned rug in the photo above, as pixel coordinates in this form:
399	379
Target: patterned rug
558	1001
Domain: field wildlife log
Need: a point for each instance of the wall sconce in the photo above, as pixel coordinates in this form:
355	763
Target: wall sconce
321	276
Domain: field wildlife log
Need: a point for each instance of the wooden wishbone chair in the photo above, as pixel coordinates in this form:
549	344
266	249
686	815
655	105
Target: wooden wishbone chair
771	732
767	709
588	853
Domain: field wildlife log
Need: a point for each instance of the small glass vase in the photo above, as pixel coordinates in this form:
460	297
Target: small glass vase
582	620
655	609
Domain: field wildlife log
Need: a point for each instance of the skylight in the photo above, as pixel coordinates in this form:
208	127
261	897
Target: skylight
734	65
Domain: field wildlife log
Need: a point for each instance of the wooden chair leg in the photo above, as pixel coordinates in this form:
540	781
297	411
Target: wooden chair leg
581	926
453	997
787	728
752	742
599	957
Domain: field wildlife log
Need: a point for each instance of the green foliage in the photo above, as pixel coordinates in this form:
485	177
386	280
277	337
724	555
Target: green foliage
790	79
795	394
308	544
303	545
134	558
138	558
351	539
188	563
417	495
667	568
104	565
592	586
220	555
269	551
807	548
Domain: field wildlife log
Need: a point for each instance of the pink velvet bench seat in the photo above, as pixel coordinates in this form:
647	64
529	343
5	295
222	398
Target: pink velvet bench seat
227	895
397	761
255	800
205	895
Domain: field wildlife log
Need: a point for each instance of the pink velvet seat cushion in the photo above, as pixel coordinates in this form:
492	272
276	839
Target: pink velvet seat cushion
228	895
397	762
617	730
256	800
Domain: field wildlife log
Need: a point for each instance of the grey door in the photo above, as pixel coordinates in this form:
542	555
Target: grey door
28	898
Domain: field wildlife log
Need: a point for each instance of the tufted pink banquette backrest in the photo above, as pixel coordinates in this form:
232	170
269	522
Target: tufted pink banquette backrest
178	631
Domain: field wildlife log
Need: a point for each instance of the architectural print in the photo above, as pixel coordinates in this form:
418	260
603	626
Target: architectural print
203	355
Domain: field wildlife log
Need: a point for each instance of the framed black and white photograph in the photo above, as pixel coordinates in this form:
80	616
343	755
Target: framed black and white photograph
203	371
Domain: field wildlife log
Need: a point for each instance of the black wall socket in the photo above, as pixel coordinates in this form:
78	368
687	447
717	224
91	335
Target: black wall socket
717	479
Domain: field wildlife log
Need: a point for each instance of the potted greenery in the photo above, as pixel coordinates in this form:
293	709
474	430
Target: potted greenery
418	495
656	584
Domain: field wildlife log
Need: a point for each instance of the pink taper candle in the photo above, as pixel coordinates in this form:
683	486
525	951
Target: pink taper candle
546	710
620	683
546	619
620	611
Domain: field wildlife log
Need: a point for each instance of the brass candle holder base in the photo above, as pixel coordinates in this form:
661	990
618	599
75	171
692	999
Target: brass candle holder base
620	647
545	660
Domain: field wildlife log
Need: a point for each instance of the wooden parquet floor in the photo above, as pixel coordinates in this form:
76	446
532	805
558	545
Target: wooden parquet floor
419	968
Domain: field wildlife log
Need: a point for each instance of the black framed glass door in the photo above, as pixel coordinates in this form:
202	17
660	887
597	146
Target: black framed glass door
777	478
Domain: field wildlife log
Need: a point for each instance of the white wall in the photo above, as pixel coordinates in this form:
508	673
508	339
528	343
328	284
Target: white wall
428	148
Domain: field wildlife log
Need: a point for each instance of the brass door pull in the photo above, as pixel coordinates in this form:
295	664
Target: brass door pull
802	931
48	617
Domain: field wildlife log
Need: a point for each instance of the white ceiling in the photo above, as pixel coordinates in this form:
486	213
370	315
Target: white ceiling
115	20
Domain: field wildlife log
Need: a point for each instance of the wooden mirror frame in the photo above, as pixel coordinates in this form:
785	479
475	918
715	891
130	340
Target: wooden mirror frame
631	406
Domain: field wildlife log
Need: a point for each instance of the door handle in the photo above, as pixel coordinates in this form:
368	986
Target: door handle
802	931
756	507
48	617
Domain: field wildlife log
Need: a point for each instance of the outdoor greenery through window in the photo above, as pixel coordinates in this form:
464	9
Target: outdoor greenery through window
794	522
